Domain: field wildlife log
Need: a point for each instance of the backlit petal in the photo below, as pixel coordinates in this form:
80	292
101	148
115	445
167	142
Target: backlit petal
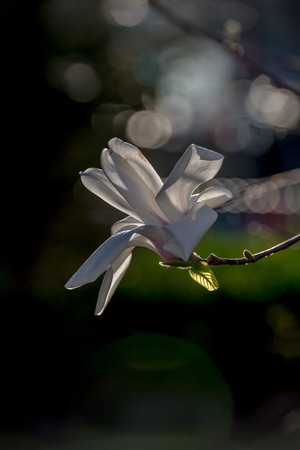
135	179
213	196
128	223
97	182
188	231
111	280
196	166
149	236
153	238
100	260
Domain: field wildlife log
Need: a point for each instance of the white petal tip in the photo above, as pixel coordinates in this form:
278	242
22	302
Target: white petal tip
69	286
114	141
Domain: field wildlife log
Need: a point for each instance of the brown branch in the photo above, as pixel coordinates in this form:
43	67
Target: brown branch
214	260
238	50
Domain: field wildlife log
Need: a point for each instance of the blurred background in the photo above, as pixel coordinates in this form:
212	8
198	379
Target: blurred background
169	364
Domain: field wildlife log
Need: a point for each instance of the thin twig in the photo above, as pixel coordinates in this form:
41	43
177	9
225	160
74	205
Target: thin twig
238	50
214	260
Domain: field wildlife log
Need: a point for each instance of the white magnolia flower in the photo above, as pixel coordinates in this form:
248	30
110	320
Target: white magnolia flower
165	217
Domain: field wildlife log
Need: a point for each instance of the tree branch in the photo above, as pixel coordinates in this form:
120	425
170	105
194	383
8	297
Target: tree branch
236	49
214	260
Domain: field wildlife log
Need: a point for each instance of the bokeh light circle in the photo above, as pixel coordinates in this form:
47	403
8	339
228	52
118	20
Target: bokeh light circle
148	129
82	83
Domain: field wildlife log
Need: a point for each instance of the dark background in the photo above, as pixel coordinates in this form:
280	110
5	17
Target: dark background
63	369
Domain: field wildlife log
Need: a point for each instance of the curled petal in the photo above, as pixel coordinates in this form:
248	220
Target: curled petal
97	182
137	162
196	166
100	260
134	178
128	223
149	236
213	196
111	280
153	238
187	232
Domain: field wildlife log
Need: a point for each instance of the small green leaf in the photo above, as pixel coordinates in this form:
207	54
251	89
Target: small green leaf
202	273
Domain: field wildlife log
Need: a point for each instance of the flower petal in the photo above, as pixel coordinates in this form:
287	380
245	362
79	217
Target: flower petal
153	238
149	236
196	166
97	182
100	260
128	223
111	280
213	196
135	179
188	231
